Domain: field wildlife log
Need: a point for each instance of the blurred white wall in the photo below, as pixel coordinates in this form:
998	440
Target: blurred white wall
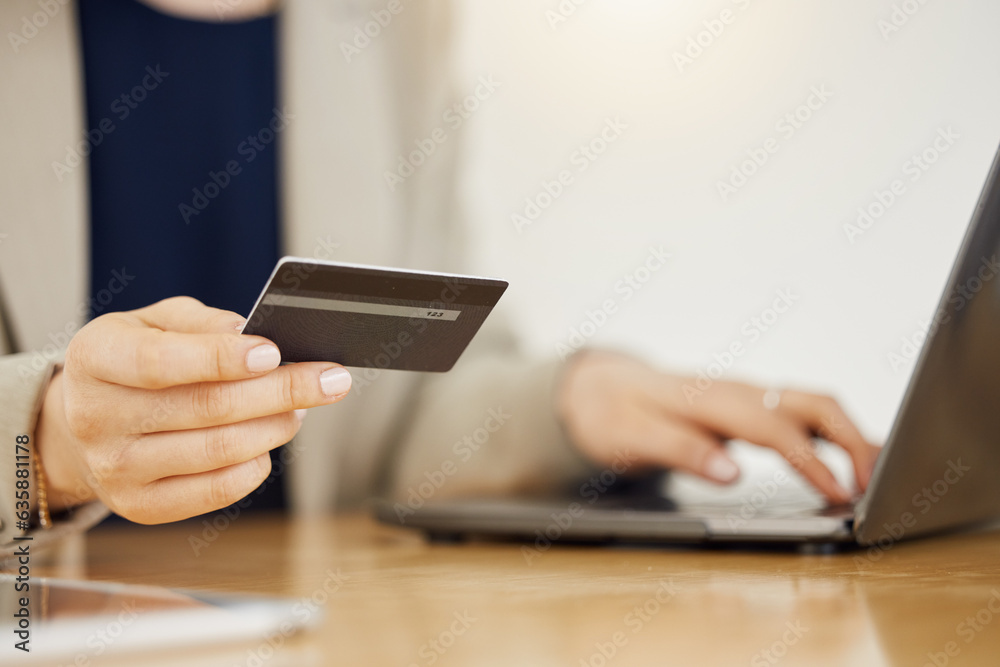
687	128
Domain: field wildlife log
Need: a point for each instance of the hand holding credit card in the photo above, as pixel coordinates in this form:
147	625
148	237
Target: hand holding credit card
371	317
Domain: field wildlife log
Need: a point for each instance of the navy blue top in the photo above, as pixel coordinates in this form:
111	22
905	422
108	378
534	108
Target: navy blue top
171	104
183	178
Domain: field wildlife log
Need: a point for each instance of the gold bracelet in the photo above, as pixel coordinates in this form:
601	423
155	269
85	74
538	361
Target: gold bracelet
44	518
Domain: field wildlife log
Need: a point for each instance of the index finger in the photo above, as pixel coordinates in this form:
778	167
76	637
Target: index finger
127	353
797	449
825	417
188	315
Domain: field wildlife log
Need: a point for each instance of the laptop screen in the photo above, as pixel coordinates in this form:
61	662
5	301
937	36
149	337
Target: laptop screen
940	465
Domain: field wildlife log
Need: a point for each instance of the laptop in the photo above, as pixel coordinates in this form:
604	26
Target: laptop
939	469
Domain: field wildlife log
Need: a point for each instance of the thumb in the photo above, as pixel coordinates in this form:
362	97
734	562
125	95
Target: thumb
683	446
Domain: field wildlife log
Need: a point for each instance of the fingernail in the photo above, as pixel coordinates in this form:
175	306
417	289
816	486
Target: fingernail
263	358
300	415
240	324
335	382
721	468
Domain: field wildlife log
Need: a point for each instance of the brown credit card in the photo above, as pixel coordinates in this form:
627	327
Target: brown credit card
370	316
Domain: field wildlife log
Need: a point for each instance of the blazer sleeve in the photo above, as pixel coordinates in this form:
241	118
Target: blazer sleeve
489	427
23	382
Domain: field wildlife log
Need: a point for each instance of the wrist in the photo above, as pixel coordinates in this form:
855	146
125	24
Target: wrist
67	488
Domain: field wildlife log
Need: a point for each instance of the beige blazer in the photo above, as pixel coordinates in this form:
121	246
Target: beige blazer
489	423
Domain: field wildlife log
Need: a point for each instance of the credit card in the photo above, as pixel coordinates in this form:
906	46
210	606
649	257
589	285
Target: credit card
369	316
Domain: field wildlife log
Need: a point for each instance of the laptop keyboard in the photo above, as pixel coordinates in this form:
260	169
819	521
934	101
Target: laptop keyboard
780	505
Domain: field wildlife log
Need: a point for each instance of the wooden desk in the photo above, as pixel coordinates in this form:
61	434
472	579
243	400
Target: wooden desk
483	604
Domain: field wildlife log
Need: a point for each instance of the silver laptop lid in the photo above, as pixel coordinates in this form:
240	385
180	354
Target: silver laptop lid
941	465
